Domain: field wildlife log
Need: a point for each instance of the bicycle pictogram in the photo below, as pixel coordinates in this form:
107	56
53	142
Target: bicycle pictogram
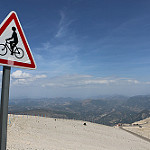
18	52
13	41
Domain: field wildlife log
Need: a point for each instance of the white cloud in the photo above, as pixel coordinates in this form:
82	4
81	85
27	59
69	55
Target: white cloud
77	80
19	74
40	76
68	81
23	78
76	85
86	80
133	81
147	82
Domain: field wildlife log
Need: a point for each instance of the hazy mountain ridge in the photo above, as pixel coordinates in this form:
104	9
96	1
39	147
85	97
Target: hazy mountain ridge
108	111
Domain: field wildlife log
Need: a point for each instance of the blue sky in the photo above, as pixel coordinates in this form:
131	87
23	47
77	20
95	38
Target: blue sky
83	48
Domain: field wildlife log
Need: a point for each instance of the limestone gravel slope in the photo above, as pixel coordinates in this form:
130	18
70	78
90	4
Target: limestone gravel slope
141	128
40	133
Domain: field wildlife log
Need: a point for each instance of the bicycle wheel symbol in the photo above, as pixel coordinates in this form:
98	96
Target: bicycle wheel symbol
3	50
19	53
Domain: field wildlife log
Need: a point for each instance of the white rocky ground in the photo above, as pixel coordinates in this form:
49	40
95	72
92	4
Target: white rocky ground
30	133
142	129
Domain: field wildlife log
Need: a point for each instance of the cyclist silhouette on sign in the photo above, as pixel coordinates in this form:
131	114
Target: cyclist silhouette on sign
14	50
15	40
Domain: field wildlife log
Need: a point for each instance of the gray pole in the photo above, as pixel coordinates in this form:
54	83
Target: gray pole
4	107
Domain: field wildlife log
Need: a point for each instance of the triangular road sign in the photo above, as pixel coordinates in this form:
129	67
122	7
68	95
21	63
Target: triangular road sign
14	48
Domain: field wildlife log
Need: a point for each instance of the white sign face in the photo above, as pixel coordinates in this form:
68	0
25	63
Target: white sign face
14	49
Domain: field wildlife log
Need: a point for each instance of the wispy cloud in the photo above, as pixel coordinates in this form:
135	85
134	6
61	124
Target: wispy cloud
63	25
60	57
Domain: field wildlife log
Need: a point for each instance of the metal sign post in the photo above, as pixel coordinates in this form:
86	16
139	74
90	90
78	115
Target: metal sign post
14	53
4	106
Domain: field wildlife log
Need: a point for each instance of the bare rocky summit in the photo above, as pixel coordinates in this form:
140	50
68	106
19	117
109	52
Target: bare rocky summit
40	133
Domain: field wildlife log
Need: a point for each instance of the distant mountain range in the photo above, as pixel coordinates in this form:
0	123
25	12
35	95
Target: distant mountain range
108	110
